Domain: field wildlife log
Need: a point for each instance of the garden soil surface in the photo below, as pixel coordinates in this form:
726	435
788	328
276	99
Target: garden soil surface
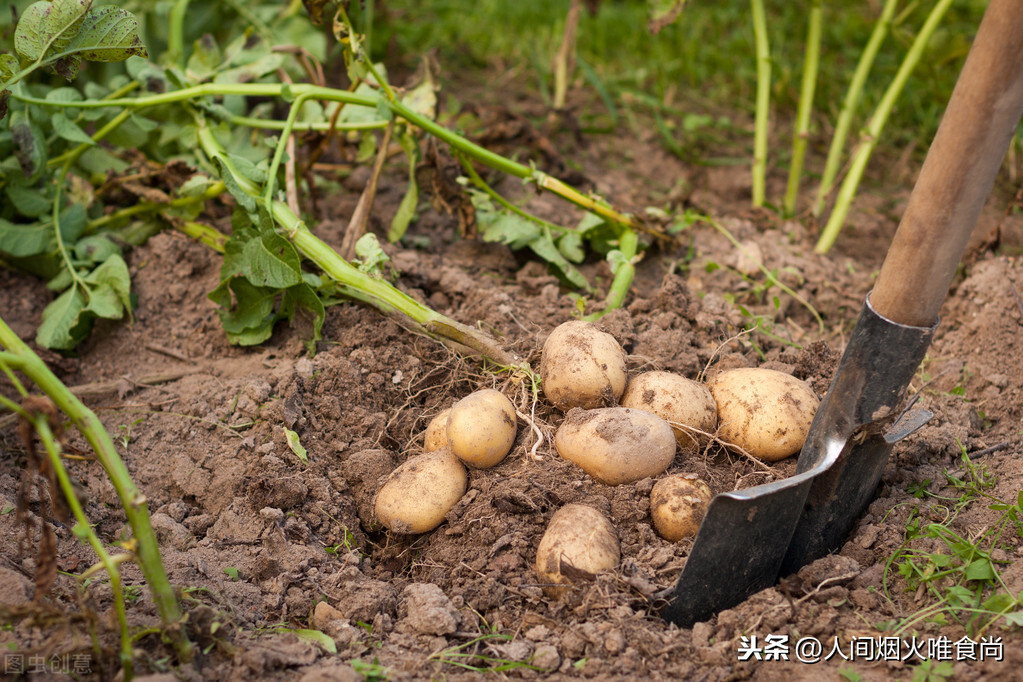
261	544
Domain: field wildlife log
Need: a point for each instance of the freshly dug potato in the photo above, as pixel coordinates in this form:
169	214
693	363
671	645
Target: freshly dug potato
481	428
616	445
675	398
581	366
765	412
418	494
437	432
677	505
579	542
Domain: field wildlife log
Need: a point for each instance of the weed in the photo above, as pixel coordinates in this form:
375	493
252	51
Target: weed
962	575
371	672
467	656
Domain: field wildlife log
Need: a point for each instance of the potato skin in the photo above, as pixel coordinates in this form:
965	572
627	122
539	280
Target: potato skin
578	543
481	428
616	445
437	432
677	506
765	412
675	398
418	494
581	366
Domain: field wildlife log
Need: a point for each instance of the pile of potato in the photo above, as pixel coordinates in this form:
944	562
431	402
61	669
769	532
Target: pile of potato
617	430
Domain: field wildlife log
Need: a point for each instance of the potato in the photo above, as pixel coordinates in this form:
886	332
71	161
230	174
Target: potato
677	505
481	428
677	399
616	445
765	412
437	432
418	494
579	542
581	366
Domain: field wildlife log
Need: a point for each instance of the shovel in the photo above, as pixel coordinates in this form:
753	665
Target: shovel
749	538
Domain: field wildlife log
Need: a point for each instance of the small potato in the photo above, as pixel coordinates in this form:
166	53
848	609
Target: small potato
582	366
616	445
677	505
437	432
677	399
418	494
481	428
765	412
579	542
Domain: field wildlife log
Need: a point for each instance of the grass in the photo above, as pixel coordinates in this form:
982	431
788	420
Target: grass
680	65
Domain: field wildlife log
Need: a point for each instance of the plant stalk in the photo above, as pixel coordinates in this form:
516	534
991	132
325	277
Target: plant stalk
806	93
134	503
851	103
875	127
763	56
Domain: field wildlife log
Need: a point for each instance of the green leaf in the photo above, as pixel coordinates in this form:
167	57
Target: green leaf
29	202
8	67
113	275
271	261
370	256
61	327
48	27
95	248
69	130
205	60
304	296
248	318
570	245
108	34
616	259
296	445
980	569
25	240
315	637
407	209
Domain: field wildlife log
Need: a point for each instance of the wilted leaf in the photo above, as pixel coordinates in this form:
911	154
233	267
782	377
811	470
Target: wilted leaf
296	445
29	146
60	327
663	12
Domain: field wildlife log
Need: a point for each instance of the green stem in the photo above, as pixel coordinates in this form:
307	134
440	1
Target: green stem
282	143
310	91
851	103
875	127
353	282
213	191
204	234
763	56
628	244
475	178
176	34
302	126
806	93
133	502
83	529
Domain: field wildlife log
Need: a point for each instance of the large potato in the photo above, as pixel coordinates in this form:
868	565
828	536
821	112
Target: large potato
418	494
437	432
678	504
581	366
579	542
481	428
675	399
765	412
616	445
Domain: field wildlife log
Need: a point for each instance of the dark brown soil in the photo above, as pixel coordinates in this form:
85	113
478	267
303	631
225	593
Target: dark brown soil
259	541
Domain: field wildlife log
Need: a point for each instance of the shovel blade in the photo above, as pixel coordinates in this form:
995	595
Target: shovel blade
736	552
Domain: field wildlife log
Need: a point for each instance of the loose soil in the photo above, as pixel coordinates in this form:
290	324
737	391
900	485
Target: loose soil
261	543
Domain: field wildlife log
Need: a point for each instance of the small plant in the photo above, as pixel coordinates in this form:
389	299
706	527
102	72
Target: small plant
962	577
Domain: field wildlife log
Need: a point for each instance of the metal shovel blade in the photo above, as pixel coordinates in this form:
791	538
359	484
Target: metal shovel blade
750	537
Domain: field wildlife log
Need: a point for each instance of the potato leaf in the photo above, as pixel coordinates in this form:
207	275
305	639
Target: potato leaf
25	240
62	33
296	445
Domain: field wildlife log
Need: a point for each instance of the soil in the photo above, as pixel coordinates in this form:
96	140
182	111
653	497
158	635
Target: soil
261	543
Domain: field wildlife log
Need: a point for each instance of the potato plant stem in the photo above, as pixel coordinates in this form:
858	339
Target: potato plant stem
763	57
628	244
354	283
875	127
133	502
851	103
806	93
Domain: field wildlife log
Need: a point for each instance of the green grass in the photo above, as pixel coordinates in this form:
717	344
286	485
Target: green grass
704	60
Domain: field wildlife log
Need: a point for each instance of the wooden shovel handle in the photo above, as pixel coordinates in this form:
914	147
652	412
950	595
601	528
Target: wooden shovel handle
958	173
